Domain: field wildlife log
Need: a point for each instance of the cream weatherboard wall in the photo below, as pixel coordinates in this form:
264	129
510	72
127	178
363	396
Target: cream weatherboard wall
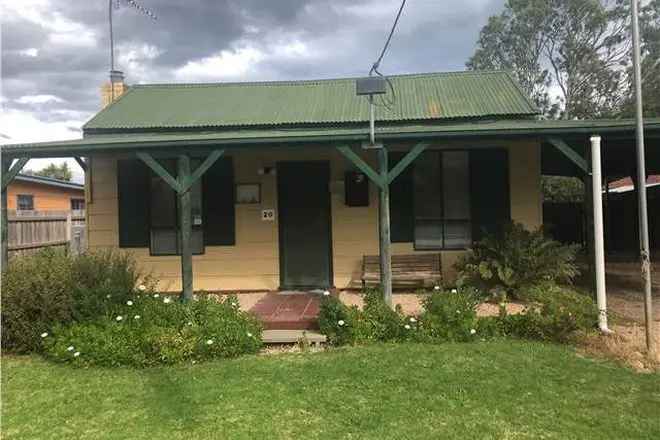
253	263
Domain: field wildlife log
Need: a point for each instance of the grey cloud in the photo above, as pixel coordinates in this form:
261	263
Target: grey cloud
343	42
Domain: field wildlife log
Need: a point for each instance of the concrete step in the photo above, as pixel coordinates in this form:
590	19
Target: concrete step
292	336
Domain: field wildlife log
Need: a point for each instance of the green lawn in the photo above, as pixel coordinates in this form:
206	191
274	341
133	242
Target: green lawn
506	390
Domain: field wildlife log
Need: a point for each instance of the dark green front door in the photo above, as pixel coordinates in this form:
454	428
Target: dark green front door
304	224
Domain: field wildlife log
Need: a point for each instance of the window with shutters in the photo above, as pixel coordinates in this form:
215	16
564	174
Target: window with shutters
448	199
149	215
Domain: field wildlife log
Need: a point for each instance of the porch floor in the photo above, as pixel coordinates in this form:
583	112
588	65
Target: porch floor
287	310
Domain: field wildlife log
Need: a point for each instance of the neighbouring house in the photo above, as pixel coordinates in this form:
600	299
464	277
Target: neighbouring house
28	193
268	186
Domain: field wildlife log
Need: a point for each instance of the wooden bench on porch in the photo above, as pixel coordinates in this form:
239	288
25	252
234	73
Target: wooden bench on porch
421	270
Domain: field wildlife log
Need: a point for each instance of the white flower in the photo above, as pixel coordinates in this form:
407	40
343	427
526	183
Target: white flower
326	293
249	334
119	318
44	334
156	295
76	354
108	296
436	287
136	317
454	291
129	303
142	287
167	300
209	342
189	323
413	320
70	348
473	331
458	312
407	327
341	322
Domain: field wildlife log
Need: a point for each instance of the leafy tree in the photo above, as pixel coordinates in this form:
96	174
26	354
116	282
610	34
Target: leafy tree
650	48
54	171
580	46
650	24
514	40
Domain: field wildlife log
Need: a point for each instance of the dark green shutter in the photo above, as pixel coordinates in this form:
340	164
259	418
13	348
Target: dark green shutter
133	195
402	215
489	191
218	204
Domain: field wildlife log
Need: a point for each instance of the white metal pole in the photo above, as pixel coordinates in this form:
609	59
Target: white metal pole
599	243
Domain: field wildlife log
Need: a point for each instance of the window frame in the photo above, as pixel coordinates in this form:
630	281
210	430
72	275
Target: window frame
177	218
469	221
77	199
18	202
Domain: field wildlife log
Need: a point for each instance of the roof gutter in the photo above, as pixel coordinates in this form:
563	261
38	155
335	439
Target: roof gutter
96	145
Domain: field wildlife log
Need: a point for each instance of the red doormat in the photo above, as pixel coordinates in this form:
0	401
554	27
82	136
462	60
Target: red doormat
297	311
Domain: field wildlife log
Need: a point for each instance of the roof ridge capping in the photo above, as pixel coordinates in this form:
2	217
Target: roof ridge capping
293	82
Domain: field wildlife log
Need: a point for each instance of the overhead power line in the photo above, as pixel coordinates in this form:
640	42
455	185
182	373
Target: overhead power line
387	103
376	65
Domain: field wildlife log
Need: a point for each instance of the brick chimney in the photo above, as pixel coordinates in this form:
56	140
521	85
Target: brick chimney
113	89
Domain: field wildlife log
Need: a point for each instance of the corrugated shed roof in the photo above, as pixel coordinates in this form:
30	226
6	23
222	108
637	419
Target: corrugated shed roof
418	97
49	181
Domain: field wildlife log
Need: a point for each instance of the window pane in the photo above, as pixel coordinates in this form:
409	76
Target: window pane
428	201
25	202
163	241
163	200
456	197
77	204
458	234
197	241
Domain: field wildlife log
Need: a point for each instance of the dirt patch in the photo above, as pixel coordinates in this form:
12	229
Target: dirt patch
627	345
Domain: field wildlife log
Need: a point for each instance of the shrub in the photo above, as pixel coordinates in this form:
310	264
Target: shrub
49	288
102	279
376	322
337	321
555	314
157	330
450	316
36	294
504	265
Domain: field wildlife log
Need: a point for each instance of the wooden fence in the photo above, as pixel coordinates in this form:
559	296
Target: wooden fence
30	231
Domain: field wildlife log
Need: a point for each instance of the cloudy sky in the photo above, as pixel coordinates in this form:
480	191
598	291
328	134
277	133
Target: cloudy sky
55	53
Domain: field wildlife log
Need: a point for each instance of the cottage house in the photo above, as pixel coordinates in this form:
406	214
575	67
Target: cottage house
265	185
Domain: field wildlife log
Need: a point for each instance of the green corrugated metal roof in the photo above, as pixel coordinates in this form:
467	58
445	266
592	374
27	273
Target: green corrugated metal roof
309	136
418	97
